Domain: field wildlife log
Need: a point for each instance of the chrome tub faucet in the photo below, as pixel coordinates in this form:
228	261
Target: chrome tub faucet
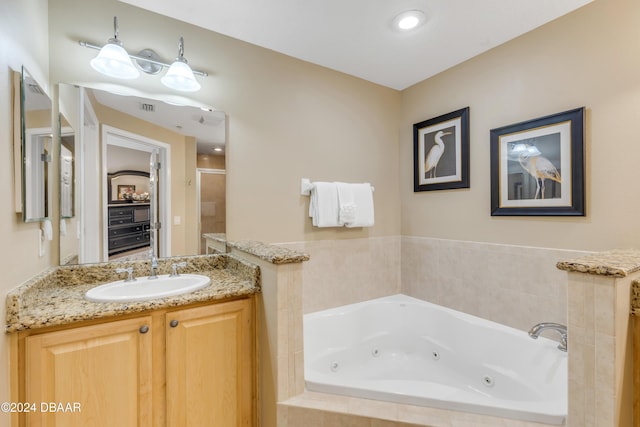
561	329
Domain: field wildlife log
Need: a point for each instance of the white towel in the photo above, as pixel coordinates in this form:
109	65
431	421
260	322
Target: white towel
356	205
346	205
323	207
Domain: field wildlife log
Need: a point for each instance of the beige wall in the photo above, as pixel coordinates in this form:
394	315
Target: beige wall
588	58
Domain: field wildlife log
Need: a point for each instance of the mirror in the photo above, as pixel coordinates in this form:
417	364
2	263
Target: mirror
36	148
67	169
117	129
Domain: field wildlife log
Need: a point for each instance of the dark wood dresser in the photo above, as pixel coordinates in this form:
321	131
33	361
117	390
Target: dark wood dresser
128	227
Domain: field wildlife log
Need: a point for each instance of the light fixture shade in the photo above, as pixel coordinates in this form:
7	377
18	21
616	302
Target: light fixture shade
180	77
114	61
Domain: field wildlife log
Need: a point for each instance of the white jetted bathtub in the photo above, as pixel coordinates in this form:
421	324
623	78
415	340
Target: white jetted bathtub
405	350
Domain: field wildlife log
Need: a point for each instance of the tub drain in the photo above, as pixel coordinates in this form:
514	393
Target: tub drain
334	366
375	352
487	380
435	355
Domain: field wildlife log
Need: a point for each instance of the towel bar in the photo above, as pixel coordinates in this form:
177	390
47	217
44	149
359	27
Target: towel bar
306	185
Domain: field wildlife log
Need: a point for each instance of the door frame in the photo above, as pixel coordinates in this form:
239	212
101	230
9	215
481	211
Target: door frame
122	138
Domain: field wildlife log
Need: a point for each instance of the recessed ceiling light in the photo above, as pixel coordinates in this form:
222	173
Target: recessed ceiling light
409	20
218	149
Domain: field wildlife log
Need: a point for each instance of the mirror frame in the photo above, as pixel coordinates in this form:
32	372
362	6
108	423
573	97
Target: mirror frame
66	131
25	140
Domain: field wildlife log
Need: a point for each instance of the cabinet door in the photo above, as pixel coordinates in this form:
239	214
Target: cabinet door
210	366
96	375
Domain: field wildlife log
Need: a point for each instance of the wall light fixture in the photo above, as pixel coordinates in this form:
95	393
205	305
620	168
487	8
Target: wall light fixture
114	61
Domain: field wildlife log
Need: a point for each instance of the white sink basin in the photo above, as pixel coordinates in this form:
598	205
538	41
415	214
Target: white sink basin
144	288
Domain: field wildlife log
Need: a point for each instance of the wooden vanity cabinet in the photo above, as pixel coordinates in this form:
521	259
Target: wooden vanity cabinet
190	366
101	373
209	358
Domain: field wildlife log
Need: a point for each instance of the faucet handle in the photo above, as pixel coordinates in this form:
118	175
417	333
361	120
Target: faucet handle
129	271
174	268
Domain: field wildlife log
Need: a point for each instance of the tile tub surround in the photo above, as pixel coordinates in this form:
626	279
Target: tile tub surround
600	331
615	263
597	308
517	286
56	297
346	271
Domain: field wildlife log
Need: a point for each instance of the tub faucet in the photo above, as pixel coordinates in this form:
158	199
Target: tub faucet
535	332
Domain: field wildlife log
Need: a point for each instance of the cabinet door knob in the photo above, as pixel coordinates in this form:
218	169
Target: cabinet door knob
173	323
144	329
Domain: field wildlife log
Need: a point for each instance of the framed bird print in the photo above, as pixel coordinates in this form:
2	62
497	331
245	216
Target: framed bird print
441	152
537	166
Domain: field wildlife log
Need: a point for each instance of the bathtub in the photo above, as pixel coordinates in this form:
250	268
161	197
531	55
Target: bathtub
404	350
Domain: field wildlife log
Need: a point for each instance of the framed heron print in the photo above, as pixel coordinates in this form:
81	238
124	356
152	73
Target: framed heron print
441	152
537	166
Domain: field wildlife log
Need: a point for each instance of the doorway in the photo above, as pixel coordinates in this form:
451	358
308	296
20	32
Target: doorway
211	190
135	146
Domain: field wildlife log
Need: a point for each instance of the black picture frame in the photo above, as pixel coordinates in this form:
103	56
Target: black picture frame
537	166
448	137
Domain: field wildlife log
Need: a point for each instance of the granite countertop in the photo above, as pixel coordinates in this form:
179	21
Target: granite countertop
616	263
635	298
56	297
271	253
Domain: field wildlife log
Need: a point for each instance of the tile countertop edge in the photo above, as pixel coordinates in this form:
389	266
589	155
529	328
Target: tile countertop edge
270	253
56	296
616	263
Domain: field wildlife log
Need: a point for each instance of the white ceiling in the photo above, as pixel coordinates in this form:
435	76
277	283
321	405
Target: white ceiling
208	127
356	37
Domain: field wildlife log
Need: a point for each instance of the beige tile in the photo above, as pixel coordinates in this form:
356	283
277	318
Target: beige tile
298	386
605	410
605	364
577	406
304	417
424	416
604	306
282	416
330	419
374	409
576	304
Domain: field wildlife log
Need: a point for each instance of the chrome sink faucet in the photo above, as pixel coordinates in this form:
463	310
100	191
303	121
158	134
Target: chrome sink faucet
154	265
537	329
129	272
174	268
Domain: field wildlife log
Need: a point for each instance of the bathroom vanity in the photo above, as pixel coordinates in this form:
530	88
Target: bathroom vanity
187	360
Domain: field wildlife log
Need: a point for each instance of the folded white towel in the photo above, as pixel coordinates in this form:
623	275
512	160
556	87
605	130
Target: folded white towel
346	205
356	205
323	207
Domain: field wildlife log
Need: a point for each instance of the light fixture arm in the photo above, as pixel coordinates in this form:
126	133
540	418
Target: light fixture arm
142	58
115	33
181	50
